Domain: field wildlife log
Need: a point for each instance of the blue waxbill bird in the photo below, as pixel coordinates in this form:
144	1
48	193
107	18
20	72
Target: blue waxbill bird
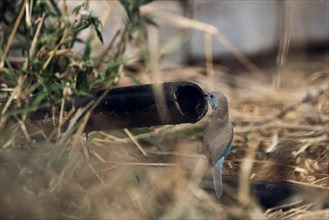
217	137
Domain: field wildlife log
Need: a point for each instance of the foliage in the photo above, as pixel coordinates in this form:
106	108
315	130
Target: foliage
48	68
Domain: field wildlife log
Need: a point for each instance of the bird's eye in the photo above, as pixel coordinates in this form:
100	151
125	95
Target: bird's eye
211	96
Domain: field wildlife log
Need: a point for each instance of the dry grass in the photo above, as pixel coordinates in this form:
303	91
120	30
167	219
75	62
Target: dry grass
281	133
109	177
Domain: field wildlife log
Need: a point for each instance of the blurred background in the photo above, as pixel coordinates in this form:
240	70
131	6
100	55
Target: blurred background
258	29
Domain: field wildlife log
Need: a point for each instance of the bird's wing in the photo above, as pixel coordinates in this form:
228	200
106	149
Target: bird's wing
217	141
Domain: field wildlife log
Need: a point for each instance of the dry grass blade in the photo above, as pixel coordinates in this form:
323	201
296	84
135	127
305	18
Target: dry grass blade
146	164
135	142
97	175
309	95
22	125
282	57
73	123
35	38
12	34
246	171
99	157
274	143
209	58
321	214
108	48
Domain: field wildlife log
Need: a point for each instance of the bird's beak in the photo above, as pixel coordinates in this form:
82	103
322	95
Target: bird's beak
205	95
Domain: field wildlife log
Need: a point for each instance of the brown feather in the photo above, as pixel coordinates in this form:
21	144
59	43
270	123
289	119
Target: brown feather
218	133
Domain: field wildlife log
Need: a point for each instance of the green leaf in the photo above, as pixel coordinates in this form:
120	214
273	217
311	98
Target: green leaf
143	2
77	9
150	21
26	110
133	78
11	75
55	6
99	35
43	7
110	68
87	50
38	99
47	38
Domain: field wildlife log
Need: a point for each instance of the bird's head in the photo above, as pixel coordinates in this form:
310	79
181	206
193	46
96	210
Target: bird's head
217	99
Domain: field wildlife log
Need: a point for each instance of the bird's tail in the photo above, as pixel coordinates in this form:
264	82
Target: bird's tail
217	177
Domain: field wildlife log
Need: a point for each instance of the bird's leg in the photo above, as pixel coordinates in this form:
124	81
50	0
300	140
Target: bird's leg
217	177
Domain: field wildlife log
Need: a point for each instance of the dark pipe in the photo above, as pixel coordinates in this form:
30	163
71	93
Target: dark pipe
137	106
270	194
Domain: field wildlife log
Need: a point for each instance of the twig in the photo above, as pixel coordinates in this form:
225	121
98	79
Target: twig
35	40
246	169
69	131
61	115
296	211
320	180
306	184
209	58
108	169
135	142
284	206
108	48
12	34
196	156
309	95
299	127
75	144
23	128
96	174
274	143
99	157
146	164
282	57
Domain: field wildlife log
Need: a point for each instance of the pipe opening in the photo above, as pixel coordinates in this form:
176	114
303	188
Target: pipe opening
190	100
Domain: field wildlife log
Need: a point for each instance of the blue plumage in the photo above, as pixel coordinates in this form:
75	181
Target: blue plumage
217	172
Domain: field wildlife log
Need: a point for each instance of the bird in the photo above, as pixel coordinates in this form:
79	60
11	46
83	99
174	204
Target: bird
217	137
